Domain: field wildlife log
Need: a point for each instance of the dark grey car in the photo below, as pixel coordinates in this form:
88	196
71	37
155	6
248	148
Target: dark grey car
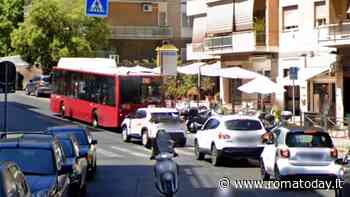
39	85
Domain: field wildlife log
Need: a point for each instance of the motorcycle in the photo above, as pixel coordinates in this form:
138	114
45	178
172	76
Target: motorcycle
197	117
166	170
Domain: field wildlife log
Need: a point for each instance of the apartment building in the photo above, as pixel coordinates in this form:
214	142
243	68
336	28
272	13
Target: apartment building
242	33
139	26
306	42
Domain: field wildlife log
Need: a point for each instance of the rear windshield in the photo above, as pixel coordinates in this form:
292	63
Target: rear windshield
165	116
243	125
301	139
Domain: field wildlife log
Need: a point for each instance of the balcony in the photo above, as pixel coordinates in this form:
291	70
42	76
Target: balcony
195	51
141	32
239	42
334	35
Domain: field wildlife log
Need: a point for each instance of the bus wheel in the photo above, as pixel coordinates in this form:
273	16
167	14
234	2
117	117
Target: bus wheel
62	110
95	120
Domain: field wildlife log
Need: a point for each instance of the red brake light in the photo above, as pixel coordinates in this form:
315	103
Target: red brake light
334	153
284	153
224	136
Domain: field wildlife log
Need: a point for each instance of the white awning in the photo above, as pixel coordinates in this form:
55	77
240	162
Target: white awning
220	18
191	69
308	73
199	29
261	85
244	14
16	60
211	70
238	73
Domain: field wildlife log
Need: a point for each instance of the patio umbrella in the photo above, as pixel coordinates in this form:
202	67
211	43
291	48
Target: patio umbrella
191	69
261	85
211	70
238	73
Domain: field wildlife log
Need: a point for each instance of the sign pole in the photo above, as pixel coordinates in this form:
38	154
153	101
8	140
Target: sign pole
293	118
5	101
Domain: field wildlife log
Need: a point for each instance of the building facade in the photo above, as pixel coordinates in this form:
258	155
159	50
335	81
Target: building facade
242	33
139	26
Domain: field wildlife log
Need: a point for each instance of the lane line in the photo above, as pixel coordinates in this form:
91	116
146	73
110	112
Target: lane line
107	153
129	152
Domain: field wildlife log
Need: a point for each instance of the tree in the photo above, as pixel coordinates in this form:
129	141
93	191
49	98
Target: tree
59	28
11	14
179	86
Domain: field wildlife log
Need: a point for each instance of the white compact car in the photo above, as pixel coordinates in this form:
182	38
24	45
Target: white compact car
147	121
229	136
298	153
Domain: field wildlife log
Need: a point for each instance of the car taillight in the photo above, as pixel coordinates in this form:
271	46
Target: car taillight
224	136
334	153
284	153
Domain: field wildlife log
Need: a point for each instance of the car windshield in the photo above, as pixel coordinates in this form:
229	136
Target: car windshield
316	140
243	125
31	161
80	135
166	116
67	147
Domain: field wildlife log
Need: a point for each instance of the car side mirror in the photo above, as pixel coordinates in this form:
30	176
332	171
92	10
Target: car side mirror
94	142
65	169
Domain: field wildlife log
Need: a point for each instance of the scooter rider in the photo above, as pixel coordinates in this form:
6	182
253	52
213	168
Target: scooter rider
162	143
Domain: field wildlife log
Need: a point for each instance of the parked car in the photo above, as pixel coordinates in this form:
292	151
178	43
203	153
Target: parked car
78	162
86	142
39	85
12	181
42	161
299	153
234	136
147	121
344	191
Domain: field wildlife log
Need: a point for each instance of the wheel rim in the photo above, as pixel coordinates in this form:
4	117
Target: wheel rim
94	122
214	155
262	170
144	139
124	134
62	110
196	151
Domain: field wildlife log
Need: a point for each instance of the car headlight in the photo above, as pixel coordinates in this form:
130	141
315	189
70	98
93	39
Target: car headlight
42	193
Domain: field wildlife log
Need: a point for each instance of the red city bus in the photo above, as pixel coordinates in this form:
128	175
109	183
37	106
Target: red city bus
97	92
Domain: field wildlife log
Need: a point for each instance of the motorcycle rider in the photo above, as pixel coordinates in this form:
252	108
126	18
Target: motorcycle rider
162	143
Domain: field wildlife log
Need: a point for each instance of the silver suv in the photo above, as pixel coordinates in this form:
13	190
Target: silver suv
299	153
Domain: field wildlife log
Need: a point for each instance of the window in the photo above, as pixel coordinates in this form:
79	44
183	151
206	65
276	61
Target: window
320	13
141	114
290	17
185	20
162	19
286	72
267	73
301	139
243	125
211	124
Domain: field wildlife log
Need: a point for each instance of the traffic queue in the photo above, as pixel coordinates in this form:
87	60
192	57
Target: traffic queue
56	162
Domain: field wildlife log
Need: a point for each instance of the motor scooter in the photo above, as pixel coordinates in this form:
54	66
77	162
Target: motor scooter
166	170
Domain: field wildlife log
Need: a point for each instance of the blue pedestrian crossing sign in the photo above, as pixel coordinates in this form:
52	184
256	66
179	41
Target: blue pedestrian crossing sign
97	8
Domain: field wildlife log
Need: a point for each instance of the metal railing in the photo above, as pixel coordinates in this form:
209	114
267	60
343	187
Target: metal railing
141	32
334	32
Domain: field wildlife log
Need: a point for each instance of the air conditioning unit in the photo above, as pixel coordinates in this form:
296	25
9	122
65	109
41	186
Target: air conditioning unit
115	57
147	7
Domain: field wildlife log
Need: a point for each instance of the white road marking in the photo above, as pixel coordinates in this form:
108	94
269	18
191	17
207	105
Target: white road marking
108	153
184	152
129	152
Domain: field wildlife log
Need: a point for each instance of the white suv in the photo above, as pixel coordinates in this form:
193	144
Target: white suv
229	136
147	121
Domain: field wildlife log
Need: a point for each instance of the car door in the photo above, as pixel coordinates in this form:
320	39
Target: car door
137	122
206	134
269	153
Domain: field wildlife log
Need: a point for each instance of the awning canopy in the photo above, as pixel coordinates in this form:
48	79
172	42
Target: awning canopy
310	72
16	60
211	70
261	85
238	73
191	69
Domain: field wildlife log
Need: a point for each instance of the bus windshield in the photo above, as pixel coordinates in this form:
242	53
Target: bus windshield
136	90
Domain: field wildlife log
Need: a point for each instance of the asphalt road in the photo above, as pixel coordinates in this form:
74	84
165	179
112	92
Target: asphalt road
124	170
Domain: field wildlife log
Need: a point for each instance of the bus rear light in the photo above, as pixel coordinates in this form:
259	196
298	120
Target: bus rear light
334	153
284	153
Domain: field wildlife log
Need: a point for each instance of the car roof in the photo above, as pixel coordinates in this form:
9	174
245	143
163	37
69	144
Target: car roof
41	141
235	117
158	109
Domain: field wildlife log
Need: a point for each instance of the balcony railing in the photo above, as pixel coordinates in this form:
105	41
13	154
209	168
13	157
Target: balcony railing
334	34
196	51
249	41
141	32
